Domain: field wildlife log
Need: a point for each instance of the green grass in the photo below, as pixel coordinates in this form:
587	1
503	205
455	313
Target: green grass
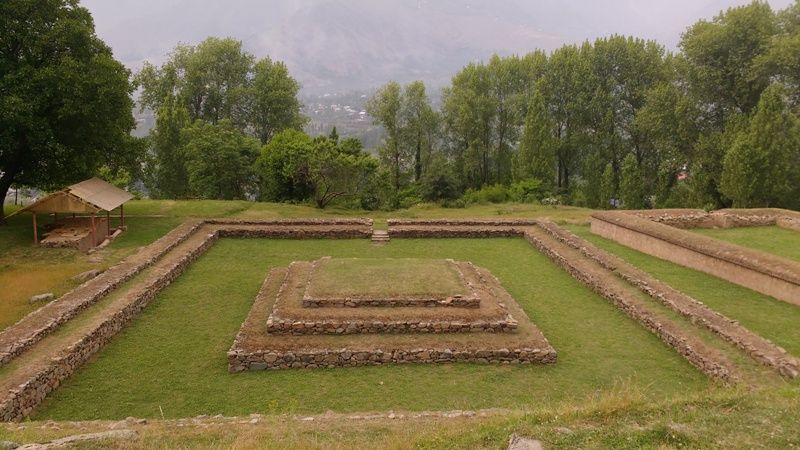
382	278
172	357
762	314
776	240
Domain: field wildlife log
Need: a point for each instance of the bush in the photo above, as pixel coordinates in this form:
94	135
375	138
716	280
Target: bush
527	191
496	193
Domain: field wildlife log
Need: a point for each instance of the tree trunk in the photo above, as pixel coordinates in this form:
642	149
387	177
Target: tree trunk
418	158
5	185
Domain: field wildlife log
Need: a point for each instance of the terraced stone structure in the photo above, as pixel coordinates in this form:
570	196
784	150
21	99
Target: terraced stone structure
351	312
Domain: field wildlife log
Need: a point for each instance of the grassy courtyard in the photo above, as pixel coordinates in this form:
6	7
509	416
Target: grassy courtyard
171	359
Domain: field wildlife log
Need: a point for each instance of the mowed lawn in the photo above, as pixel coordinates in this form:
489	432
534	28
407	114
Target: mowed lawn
771	318
171	360
776	240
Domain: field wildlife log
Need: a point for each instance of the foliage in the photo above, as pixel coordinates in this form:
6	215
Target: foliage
438	182
608	190
527	191
630	184
65	100
762	167
294	167
219	159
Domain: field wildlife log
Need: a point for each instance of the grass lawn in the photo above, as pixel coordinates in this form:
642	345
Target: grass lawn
776	240
771	318
388	277
172	357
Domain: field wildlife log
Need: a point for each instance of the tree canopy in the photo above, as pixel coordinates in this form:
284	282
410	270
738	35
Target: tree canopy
65	102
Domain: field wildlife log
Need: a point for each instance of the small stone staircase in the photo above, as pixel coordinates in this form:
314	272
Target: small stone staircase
380	236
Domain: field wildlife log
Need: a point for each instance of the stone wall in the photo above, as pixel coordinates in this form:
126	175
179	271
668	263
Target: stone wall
723	218
20	402
278	326
356	302
30	329
241	359
754	345
768	274
671	337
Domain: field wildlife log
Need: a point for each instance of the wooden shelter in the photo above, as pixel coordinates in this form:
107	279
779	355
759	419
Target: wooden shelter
88	199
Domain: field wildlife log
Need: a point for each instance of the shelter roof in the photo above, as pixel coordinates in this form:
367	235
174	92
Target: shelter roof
92	195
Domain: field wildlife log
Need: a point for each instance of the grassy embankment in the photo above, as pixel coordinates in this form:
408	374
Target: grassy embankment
776	240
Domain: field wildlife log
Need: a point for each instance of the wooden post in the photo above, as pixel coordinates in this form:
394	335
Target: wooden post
35	233
108	222
121	216
94	234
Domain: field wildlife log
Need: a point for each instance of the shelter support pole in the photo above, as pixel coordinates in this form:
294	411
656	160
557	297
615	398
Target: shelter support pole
94	233
35	233
121	216
108	222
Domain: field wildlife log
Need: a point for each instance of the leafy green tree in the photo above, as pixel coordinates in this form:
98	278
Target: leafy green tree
536	155
608	189
335	174
418	125
217	80
281	167
762	168
438	182
631	191
722	56
219	159
385	107
271	103
166	173
65	101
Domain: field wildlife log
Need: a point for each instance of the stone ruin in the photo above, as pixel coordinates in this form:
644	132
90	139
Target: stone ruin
301	320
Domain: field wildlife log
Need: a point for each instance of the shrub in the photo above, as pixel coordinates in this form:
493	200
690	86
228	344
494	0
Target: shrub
526	191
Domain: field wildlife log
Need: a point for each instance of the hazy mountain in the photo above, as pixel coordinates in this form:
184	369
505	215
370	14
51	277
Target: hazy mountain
338	45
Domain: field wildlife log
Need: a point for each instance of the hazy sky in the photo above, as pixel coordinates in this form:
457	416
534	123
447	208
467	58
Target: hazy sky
340	44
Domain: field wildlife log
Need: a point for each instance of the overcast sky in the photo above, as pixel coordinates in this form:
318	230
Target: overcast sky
345	44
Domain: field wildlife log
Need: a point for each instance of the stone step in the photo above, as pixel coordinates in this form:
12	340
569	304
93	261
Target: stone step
380	236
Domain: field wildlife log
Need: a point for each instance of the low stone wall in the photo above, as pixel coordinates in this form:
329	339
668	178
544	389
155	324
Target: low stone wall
757	347
240	360
278	326
723	218
453	231
671	337
20	402
768	274
461	222
289	232
17	338
355	302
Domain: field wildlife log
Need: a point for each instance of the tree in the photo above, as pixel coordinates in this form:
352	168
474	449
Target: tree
438	181
418	124
762	168
536	155
166	174
631	191
722	55
282	169
65	101
385	108
335	174
272	103
217	80
608	190
219	159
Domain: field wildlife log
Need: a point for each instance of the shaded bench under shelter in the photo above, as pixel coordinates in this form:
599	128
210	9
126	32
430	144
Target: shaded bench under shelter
83	224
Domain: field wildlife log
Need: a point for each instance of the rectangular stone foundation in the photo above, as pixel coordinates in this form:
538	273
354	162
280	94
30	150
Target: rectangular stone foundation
254	348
